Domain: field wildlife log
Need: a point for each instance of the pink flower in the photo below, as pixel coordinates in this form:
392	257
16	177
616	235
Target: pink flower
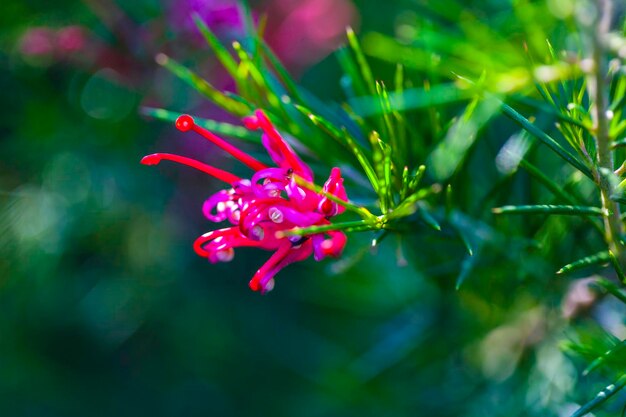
38	42
48	42
263	208
304	31
71	39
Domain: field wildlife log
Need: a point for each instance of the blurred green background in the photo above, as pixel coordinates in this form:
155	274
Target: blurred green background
106	311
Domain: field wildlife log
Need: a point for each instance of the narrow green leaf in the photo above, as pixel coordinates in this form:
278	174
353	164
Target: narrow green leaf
547	140
258	77
345	139
419	174
399	85
556	189
450	152
545	93
414	98
220	50
618	144
377	154
551	110
611	288
550	209
386	197
467	266
618	130
434	115
248	20
366	72
354	85
379	237
601	397
347	226
449	202
282	72
409	206
257	56
595	259
428	218
621	101
465	240
323	124
606	356
203	86
405	183
618	268
365	163
385	105
241	100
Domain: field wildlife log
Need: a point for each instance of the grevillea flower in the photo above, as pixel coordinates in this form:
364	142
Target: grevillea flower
262	209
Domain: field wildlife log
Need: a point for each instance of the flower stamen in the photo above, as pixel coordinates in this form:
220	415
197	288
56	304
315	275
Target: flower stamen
221	175
185	123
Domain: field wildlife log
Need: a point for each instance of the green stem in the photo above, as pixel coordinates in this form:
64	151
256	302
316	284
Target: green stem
357	225
598	92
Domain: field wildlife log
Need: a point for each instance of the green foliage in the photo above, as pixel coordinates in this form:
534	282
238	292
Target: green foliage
466	86
263	83
591	260
475	162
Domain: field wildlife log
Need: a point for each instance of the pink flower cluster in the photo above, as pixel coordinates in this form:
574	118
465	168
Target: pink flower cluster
261	209
48	42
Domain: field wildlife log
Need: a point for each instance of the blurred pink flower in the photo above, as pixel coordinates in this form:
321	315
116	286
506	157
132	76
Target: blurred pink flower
300	31
45	42
38	42
219	15
304	31
71	39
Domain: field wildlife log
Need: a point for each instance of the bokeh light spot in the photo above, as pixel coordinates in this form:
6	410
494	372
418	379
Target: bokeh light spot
105	98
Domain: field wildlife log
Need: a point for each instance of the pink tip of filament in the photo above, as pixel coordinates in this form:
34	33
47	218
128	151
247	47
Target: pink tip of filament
221	175
153	159
185	123
251	122
254	285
